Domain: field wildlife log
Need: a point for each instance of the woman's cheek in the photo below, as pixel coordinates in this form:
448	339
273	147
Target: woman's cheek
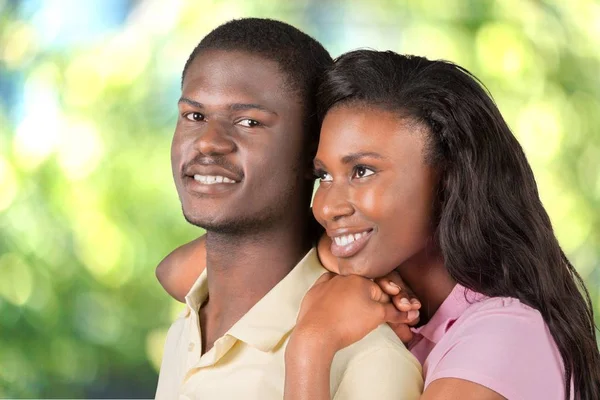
317	206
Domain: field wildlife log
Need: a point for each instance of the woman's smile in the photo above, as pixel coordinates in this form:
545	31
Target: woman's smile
347	244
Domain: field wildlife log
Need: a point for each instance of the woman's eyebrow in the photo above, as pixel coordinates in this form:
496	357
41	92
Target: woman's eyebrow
318	164
353	157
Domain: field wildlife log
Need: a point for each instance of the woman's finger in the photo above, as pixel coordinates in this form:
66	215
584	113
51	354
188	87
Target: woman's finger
379	295
387	286
403	291
402	331
392	315
402	303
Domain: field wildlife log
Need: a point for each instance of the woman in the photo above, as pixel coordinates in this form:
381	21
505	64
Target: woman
420	174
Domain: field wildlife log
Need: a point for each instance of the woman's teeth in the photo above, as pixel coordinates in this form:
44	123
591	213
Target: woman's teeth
212	179
346	239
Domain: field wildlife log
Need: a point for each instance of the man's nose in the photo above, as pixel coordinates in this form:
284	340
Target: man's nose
336	204
214	140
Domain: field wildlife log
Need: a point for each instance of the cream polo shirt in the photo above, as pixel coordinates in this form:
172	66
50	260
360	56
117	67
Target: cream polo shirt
248	361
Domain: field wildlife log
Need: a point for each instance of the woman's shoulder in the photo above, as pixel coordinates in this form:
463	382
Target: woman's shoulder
505	310
503	344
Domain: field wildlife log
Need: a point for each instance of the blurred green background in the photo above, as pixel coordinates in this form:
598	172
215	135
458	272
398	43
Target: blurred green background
88	93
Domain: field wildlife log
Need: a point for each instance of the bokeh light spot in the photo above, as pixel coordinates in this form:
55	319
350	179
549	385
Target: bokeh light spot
8	184
539	131
155	342
80	149
16	284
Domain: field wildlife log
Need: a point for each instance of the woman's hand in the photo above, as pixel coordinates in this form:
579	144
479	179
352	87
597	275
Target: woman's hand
340	310
404	300
336	312
391	284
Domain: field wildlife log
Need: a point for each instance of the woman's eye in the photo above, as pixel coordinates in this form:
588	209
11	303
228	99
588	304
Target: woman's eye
194	116
323	176
361	172
249	123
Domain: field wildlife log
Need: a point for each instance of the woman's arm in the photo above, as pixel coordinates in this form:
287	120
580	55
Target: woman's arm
178	271
458	389
336	312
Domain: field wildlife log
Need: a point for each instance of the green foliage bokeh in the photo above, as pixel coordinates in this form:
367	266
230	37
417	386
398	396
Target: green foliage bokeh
87	204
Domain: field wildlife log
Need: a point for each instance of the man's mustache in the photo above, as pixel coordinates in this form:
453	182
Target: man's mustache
219	161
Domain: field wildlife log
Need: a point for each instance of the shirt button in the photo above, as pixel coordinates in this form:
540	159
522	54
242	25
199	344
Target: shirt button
191	346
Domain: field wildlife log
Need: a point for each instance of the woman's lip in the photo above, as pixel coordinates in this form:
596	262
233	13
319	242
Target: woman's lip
350	249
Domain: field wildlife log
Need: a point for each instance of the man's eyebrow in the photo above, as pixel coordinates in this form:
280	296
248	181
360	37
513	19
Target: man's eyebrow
191	102
250	106
354	157
232	107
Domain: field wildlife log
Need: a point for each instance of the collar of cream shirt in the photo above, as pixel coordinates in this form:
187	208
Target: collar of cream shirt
266	324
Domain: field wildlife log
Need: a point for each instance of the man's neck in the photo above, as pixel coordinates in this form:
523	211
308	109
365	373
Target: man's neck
242	269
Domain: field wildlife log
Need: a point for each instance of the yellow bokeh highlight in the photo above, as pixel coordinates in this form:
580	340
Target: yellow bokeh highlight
155	342
83	83
539	131
129	55
16	284
502	50
38	133
18	46
102	247
80	149
8	184
435	43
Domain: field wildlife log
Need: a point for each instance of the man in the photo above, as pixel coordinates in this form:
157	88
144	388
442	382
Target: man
241	157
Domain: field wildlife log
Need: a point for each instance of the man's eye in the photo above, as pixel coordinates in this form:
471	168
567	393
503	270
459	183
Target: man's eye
249	123
361	172
194	116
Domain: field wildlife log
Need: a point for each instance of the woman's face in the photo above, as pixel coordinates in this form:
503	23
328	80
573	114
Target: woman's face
376	192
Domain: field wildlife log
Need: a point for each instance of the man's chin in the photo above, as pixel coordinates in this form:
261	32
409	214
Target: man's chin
223	225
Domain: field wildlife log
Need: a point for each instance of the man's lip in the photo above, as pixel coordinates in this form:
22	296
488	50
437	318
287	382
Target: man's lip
351	248
213	170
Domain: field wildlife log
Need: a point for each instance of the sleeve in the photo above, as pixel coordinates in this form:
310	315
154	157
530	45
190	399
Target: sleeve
382	373
510	352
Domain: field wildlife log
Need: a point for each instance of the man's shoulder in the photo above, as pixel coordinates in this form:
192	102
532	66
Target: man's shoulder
380	344
377	366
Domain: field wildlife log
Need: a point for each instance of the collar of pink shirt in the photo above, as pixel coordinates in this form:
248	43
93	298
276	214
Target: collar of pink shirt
451	309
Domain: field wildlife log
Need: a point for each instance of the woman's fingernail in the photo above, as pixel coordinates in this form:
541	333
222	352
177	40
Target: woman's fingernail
412	315
404	301
394	285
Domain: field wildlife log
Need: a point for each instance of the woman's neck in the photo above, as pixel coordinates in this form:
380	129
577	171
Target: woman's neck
429	280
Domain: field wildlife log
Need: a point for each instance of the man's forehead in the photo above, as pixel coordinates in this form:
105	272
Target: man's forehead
235	74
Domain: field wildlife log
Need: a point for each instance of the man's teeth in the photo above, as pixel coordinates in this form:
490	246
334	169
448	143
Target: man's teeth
347	239
212	179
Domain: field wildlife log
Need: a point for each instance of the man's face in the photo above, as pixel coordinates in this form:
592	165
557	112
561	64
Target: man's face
238	152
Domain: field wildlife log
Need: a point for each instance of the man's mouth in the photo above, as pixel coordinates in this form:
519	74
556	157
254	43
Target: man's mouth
213	179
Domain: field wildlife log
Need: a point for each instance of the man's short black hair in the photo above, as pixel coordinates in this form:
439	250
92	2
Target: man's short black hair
301	58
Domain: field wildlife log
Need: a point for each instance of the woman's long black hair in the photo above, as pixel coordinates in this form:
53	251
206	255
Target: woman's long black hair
493	231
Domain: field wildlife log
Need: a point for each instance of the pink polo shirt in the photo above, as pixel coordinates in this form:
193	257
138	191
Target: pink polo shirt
497	342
